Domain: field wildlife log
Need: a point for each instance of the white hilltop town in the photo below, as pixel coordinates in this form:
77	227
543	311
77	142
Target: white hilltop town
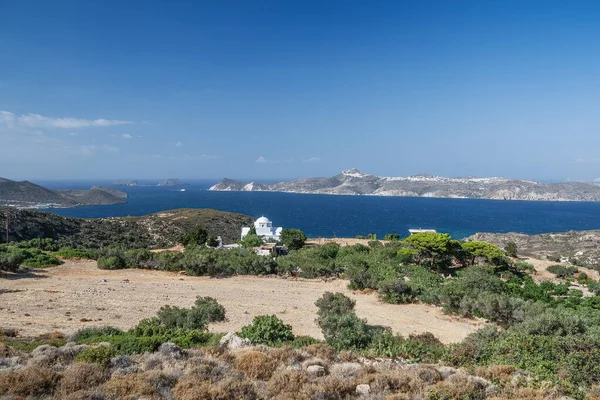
264	228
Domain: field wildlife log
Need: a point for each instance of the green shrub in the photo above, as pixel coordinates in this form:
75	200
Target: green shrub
41	260
395	292
268	330
91	333
97	355
71	253
562	271
523	266
303	341
137	258
293	239
111	262
10	259
340	325
204	311
511	249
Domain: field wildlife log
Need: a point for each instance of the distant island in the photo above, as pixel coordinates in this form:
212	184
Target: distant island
172	182
125	183
25	194
354	182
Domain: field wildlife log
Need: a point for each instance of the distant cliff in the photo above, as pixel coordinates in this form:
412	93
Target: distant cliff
172	182
353	182
26	194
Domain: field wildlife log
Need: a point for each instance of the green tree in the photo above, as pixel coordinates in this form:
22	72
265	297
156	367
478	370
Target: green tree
251	240
197	236
293	239
476	249
433	249
392	236
212	240
511	249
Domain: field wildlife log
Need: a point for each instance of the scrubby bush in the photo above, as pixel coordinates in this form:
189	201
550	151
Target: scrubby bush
268	330
204	311
511	249
71	253
137	258
562	271
395	292
340	325
41	260
10	259
97	355
111	262
293	239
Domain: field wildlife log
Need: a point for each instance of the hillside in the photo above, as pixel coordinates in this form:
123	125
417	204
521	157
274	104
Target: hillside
354	182
582	247
154	230
26	195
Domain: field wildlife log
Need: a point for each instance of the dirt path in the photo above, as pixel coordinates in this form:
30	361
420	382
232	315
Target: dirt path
60	298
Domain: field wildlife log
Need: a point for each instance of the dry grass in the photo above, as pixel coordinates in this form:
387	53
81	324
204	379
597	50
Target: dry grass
255	373
80	376
255	364
32	381
150	383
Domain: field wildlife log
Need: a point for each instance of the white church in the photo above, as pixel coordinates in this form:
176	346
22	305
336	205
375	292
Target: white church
264	228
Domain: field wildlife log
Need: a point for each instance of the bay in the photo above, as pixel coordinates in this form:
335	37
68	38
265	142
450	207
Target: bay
348	216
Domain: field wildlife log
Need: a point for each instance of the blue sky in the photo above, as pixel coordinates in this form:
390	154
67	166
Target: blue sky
283	89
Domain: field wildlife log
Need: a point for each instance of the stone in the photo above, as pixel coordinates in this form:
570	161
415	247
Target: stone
171	350
363	389
316	370
232	341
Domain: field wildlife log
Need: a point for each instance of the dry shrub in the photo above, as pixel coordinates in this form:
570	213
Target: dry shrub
286	384
81	376
321	350
390	382
8	332
232	388
32	381
255	364
398	396
285	355
501	374
330	388
457	386
151	383
5	351
52	336
429	375
190	388
81	395
524	394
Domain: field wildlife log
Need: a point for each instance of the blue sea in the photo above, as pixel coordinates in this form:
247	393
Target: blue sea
348	216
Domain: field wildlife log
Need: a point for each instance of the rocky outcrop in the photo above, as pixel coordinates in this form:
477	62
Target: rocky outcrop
231	341
354	182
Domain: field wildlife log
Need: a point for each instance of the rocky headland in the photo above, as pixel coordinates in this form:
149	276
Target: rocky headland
354	182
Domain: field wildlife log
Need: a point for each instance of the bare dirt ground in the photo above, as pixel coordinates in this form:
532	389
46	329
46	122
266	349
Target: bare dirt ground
541	274
77	294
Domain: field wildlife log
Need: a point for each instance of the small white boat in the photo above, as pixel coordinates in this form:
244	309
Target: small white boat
182	190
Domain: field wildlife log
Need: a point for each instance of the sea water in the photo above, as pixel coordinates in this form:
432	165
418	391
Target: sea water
348	216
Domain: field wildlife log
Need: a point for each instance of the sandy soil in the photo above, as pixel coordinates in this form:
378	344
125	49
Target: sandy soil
65	297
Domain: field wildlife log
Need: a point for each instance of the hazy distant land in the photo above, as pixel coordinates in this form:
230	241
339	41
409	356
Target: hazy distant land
353	182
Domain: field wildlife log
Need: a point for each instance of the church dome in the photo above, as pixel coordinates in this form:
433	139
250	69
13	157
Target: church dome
263	220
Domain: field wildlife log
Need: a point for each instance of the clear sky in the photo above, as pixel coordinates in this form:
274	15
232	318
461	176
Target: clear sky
283	89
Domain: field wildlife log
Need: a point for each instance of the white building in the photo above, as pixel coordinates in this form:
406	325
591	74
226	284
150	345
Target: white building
264	228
